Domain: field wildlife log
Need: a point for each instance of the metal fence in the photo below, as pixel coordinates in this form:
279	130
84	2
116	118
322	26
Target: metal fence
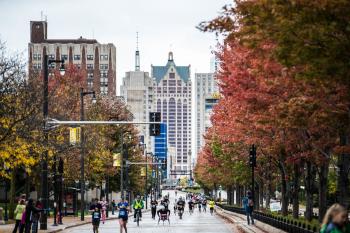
288	225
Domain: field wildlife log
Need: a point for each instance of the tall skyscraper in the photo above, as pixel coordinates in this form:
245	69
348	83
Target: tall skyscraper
99	60
207	96
173	100
138	93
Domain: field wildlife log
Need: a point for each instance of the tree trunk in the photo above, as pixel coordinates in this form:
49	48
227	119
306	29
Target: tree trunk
12	193
284	190
296	189
343	175
322	191
268	193
229	194
309	180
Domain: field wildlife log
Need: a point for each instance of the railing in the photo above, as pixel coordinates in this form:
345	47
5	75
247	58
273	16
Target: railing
288	225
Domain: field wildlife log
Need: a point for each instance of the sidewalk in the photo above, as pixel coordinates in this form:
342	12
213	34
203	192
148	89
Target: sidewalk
240	224
68	222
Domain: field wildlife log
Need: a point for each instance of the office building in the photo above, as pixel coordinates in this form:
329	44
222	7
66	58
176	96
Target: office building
96	59
138	93
173	100
207	95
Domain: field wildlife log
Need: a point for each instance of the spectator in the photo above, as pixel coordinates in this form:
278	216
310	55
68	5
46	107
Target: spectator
20	208
36	217
30	210
335	220
248	205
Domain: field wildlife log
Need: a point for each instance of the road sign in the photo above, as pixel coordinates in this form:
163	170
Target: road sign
116	160
74	135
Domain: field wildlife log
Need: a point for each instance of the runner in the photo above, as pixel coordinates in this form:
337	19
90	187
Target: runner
96	217
154	204
204	205
123	207
211	206
104	205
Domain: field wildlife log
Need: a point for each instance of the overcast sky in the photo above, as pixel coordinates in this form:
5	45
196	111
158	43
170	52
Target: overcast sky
163	25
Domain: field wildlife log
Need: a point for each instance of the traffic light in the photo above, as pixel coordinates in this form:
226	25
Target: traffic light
164	166
252	156
154	129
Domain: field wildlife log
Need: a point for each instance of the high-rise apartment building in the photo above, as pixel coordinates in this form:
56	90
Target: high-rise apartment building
98	60
206	91
137	91
174	101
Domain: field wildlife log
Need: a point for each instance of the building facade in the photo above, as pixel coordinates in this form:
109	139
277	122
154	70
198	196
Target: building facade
173	100
138	93
98	60
206	92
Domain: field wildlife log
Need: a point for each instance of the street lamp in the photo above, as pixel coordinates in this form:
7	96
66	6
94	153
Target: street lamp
75	207
87	188
82	146
44	169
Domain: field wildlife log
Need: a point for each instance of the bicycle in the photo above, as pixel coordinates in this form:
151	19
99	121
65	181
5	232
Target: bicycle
138	216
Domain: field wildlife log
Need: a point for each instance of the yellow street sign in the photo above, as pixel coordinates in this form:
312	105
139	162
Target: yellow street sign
143	171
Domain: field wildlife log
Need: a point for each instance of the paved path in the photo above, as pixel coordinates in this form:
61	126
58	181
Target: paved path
197	222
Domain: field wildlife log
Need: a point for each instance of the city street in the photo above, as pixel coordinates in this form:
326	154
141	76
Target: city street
197	222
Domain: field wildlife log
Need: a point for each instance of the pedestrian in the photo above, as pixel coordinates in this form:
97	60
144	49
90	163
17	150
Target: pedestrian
123	207
36	217
20	208
248	204
113	206
30	210
96	217
336	220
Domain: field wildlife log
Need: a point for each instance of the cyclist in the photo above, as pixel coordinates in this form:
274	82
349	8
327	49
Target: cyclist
190	206
180	206
163	214
123	207
211	206
204	205
137	205
154	204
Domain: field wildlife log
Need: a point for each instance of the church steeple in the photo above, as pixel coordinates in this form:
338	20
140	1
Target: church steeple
137	54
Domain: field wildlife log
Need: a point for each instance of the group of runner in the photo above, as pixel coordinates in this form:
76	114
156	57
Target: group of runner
98	209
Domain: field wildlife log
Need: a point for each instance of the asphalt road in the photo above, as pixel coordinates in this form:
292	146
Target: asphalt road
197	222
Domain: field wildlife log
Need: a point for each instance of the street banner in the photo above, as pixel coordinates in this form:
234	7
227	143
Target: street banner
116	160
74	135
143	171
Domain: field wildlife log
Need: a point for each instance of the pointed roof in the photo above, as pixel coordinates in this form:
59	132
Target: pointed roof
158	72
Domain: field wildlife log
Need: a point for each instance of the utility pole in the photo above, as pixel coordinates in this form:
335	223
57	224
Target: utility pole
121	166
146	178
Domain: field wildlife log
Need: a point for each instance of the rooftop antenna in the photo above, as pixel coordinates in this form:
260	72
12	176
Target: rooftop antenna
137	53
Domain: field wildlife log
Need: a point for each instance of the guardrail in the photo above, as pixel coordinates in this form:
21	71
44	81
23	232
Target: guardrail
284	224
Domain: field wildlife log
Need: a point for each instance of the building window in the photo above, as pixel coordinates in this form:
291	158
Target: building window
165	82
76	57
104	57
103	66
103	90
104	74
90	57
37	56
52	65
37	66
90	84
90	76
51	56
78	66
104	81
171	75
90	66
64	57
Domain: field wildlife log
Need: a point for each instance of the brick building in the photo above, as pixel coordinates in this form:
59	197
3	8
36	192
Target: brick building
99	60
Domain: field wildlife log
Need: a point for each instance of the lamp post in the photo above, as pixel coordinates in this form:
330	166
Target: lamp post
44	170
82	146
76	198
87	188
